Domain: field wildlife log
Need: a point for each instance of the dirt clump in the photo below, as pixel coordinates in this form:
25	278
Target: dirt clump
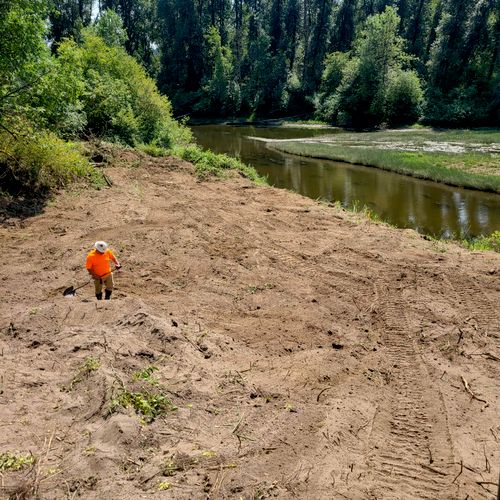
258	345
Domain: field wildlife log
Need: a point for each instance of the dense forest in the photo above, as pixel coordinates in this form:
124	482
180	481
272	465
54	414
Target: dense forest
352	62
124	69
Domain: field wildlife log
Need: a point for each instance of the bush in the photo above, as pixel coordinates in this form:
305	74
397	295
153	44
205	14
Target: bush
462	106
34	162
404	97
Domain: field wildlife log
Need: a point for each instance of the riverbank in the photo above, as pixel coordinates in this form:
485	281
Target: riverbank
459	158
252	333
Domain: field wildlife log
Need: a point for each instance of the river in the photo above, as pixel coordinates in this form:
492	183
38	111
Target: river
428	207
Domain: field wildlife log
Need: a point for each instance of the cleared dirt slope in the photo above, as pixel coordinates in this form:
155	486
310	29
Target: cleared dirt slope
310	353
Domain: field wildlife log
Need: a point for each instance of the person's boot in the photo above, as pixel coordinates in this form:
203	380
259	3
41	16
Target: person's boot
108	294
98	296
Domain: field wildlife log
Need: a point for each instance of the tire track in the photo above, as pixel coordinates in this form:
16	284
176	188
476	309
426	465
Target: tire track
410	449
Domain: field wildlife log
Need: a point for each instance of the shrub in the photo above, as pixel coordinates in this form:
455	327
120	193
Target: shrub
34	162
491	242
404	97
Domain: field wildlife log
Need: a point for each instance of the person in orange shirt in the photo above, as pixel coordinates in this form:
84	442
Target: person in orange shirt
98	266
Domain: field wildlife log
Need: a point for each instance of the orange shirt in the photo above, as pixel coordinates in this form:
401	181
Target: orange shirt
99	262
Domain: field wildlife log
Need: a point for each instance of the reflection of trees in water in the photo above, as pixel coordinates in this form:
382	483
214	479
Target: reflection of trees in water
403	201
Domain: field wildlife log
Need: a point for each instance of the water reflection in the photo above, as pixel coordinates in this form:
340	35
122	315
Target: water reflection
428	207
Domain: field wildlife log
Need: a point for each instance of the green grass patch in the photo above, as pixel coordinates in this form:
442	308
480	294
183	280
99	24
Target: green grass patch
473	170
483	243
12	461
419	135
207	163
210	164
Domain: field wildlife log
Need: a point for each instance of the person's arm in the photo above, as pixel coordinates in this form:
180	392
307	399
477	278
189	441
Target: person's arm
114	259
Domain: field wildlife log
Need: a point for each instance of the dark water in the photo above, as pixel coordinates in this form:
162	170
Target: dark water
428	207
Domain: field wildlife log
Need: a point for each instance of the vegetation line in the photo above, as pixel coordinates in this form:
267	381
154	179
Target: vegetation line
454	169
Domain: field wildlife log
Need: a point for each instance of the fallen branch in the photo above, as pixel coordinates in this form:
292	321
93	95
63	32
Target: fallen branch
321	392
473	396
219	467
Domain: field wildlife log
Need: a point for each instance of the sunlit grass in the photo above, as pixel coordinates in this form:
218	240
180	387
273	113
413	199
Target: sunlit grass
474	170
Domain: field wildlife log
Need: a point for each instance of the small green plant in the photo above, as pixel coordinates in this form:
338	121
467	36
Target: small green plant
259	288
12	461
147	404
147	375
90	365
164	485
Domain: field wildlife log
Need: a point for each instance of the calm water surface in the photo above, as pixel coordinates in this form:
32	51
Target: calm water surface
428	207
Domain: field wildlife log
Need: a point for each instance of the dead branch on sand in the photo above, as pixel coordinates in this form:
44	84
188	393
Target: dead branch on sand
473	396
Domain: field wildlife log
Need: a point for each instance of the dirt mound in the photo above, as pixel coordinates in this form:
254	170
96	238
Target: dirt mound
258	345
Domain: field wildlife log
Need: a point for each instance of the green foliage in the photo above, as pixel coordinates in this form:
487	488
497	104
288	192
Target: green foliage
147	375
209	164
334	66
90	365
147	404
35	162
404	97
22	44
221	91
373	87
110	28
12	461
456	169
119	100
483	243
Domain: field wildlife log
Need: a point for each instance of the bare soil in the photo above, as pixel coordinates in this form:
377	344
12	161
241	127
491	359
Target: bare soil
310	352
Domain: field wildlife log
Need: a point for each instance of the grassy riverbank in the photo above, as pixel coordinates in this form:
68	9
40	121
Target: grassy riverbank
460	158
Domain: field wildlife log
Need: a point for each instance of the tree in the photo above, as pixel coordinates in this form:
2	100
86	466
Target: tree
222	93
67	18
110	28
140	20
371	88
182	49
461	85
25	57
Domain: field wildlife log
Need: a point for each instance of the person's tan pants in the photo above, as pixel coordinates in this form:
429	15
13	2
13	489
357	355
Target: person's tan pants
108	283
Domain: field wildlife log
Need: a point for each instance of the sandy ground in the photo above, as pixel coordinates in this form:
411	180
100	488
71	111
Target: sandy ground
310	353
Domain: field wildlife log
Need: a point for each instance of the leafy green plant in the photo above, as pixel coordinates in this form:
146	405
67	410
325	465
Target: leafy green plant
491	242
12	461
147	375
90	365
145	403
